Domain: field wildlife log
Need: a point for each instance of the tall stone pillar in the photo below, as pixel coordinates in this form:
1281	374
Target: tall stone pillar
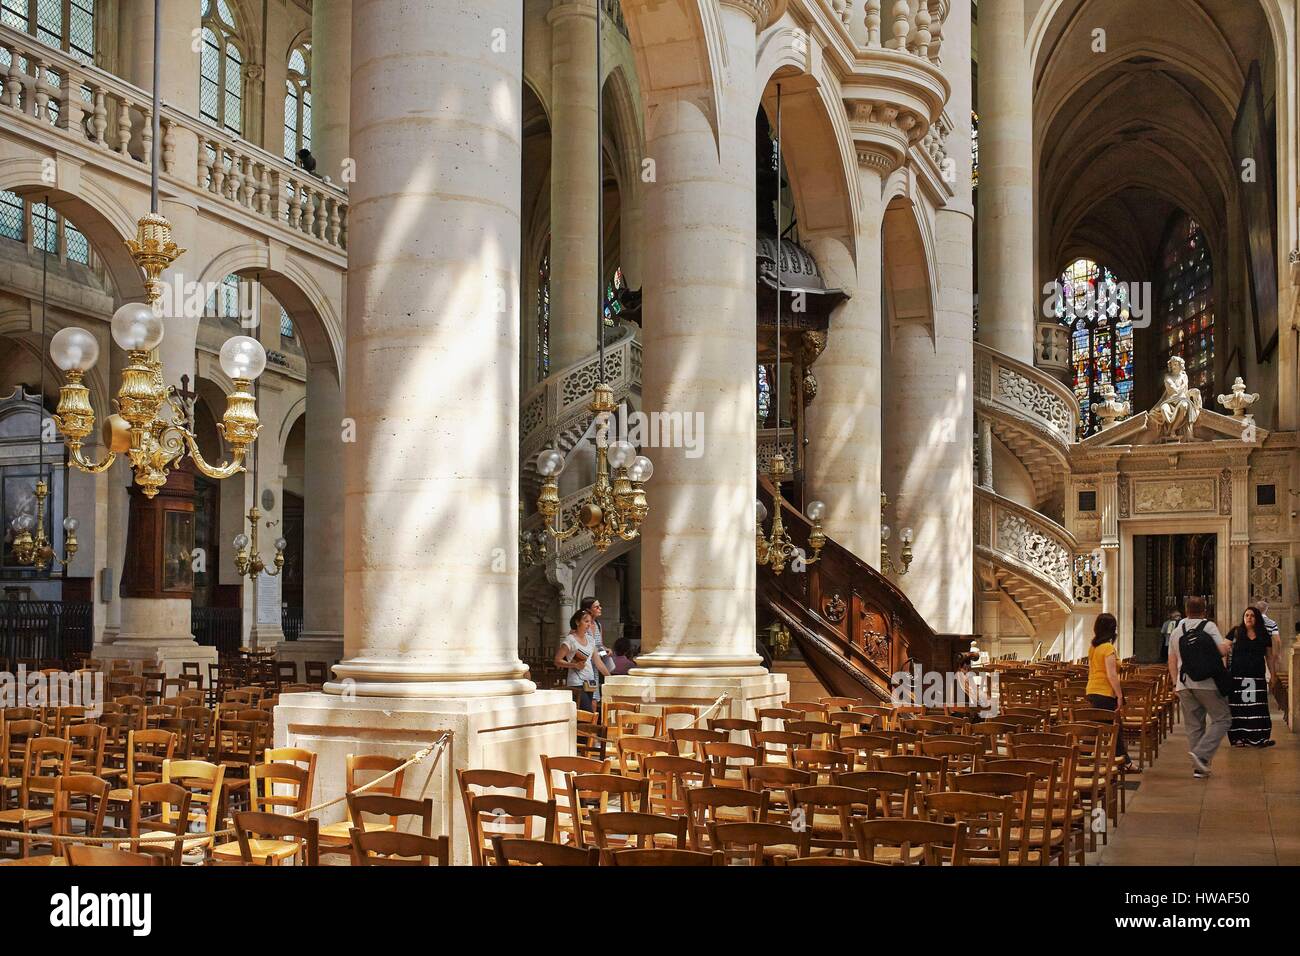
432	480
331	81
698	570
929	438
843	461
179	69
575	175
1009	301
323	542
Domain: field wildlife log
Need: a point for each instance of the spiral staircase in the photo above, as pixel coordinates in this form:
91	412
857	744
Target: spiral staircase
1023	554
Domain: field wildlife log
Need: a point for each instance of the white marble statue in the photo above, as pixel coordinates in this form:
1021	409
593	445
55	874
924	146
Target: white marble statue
1239	400
1179	407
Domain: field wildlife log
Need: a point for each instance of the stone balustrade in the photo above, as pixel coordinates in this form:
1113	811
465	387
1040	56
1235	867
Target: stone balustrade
1011	388
1023	540
89	106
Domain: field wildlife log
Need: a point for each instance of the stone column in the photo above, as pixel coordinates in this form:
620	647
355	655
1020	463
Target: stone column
843	462
698	570
1008	297
432	480
331	80
575	176
180	70
929	441
323	541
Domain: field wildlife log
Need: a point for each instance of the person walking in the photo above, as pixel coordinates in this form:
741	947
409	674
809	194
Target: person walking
1196	654
1165	630
1104	690
577	654
1254	655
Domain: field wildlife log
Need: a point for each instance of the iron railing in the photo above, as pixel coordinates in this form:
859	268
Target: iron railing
291	622
219	627
45	630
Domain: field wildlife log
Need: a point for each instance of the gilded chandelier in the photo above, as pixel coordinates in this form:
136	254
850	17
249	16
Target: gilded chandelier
151	426
617	505
248	556
776	550
31	546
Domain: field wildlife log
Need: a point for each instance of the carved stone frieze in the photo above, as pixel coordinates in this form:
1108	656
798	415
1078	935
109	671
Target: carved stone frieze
1165	497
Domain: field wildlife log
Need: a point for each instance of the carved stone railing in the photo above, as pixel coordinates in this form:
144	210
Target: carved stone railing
909	26
557	405
1024	541
1007	388
94	109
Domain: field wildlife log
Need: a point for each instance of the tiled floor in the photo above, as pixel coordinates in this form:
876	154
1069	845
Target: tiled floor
1246	814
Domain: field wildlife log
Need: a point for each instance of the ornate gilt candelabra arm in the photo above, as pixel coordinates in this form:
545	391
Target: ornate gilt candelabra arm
777	549
248	556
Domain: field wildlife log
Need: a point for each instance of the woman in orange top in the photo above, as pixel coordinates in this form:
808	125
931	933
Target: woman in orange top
1104	689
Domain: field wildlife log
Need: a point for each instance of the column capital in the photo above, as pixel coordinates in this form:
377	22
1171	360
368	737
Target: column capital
571	8
883	133
763	12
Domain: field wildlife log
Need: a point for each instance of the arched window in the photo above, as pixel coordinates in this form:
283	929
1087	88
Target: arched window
46	228
1187	303
1094	304
67	25
297	102
613	296
764	396
544	314
221	67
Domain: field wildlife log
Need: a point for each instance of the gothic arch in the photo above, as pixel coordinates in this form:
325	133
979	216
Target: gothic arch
909	277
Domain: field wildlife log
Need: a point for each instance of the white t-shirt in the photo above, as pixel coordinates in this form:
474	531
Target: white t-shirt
1183	626
576	678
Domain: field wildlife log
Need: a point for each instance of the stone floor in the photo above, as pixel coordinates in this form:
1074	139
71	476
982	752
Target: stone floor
1246	814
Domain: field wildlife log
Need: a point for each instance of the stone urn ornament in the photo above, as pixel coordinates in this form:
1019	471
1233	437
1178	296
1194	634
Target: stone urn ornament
1110	410
1238	401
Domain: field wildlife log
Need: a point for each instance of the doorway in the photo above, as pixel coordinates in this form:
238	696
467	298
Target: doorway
1167	570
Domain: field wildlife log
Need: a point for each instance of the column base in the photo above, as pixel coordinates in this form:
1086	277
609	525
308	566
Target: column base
322	647
498	733
748	693
166	656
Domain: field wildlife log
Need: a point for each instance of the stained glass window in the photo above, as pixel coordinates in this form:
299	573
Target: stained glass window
613	291
297	102
1094	304
544	314
221	68
1187	304
67	25
974	149
764	396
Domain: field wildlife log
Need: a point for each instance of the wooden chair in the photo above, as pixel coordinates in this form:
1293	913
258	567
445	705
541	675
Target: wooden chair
45	760
205	782
824	765
474	783
300	757
827	813
387	848
1067	807
86	855
825	861
636	724
777	745
897	794
689	741
402	813
20	725
269	838
205	723
753	844
777	782
632	751
705	805
664	858
360	769
515	852
273	788
810	709
822	734
834	704
668	778
555	771
669	713
1140	719
1042	841
592	793
937	843
286	672
862	747
736	727
160	809
964	754
500	814
884	715
988	821
931	772
146	752
620	829
727	762
93	792
592	740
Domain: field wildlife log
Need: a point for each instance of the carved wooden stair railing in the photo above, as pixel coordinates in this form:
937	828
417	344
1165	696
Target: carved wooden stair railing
853	625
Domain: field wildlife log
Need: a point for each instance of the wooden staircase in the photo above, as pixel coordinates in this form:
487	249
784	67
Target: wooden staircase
853	625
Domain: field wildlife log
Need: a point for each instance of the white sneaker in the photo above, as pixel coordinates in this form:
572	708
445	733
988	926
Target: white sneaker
1200	774
1200	765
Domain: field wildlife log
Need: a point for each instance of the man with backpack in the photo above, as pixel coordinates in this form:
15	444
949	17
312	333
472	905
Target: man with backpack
1197	652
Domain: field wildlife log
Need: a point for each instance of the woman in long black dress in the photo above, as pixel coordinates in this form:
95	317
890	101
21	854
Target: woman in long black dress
1252	654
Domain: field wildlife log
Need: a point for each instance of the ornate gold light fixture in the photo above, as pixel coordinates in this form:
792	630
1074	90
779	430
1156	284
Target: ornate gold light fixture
153	444
887	564
31	546
776	550
248	556
618	504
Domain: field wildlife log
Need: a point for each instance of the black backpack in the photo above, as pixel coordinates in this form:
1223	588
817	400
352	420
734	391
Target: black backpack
1200	659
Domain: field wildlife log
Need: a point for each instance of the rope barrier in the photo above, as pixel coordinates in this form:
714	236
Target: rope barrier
436	749
722	698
